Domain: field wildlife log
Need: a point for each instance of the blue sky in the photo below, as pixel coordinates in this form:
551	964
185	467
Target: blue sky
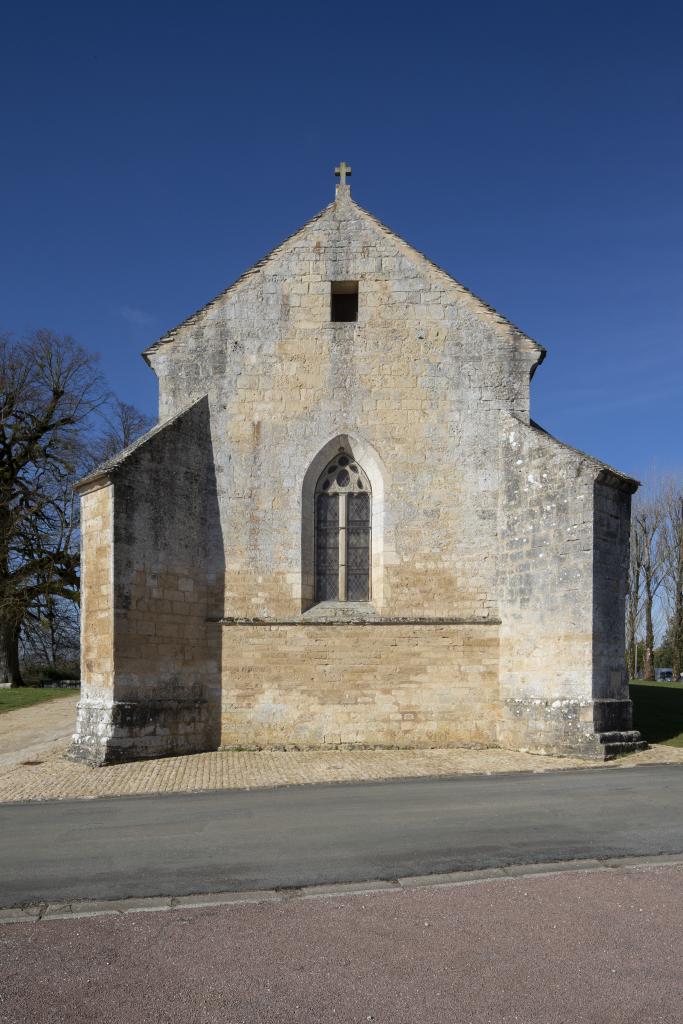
534	150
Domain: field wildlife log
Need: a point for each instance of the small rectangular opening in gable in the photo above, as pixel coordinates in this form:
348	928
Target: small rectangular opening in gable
343	301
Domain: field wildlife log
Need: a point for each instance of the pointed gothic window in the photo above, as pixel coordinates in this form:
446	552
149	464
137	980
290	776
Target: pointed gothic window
342	532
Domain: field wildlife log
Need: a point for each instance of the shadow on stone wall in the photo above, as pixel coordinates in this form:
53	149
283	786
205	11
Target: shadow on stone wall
611	523
168	564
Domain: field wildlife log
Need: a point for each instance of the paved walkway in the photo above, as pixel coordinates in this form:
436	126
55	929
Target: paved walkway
40	734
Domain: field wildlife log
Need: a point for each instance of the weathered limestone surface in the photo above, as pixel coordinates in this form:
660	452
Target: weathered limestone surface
93	727
151	668
498	554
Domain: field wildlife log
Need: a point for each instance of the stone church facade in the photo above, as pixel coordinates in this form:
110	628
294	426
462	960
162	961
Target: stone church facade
346	529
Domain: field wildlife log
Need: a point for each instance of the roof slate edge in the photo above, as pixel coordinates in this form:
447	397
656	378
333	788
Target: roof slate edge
628	483
193	317
106	469
499	317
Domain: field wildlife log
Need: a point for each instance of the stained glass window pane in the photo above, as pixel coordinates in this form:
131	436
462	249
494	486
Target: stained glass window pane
358	547
327	547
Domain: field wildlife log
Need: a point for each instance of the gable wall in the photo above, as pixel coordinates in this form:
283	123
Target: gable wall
421	378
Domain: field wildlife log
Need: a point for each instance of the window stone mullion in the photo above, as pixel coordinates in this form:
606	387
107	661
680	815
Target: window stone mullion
342	547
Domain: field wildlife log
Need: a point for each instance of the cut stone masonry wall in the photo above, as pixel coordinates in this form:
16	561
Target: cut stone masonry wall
415	685
161	563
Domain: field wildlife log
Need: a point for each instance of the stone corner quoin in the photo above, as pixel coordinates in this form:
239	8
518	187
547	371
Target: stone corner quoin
346	529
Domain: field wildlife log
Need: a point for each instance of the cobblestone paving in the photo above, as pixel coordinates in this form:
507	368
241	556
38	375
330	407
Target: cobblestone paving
52	777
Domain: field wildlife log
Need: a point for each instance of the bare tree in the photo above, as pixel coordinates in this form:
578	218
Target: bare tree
672	557
50	630
123	425
634	604
50	390
647	526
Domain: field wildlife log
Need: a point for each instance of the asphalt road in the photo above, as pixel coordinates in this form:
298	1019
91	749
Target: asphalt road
208	842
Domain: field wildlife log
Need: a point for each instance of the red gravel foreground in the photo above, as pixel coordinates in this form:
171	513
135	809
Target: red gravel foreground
602	947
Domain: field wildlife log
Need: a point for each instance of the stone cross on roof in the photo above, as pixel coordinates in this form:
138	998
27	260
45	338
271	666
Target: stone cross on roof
342	172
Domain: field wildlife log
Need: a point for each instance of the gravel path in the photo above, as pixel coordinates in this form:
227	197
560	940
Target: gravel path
574	948
34	732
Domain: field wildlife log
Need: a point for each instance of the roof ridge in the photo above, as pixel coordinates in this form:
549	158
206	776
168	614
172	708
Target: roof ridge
499	317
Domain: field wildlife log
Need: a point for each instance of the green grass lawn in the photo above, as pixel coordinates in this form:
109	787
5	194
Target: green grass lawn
24	696
658	711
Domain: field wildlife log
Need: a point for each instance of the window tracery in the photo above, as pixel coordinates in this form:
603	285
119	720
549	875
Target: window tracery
343	501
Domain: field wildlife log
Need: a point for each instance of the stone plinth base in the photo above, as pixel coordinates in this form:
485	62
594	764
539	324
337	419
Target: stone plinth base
612	715
616	744
593	729
116	731
109	732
